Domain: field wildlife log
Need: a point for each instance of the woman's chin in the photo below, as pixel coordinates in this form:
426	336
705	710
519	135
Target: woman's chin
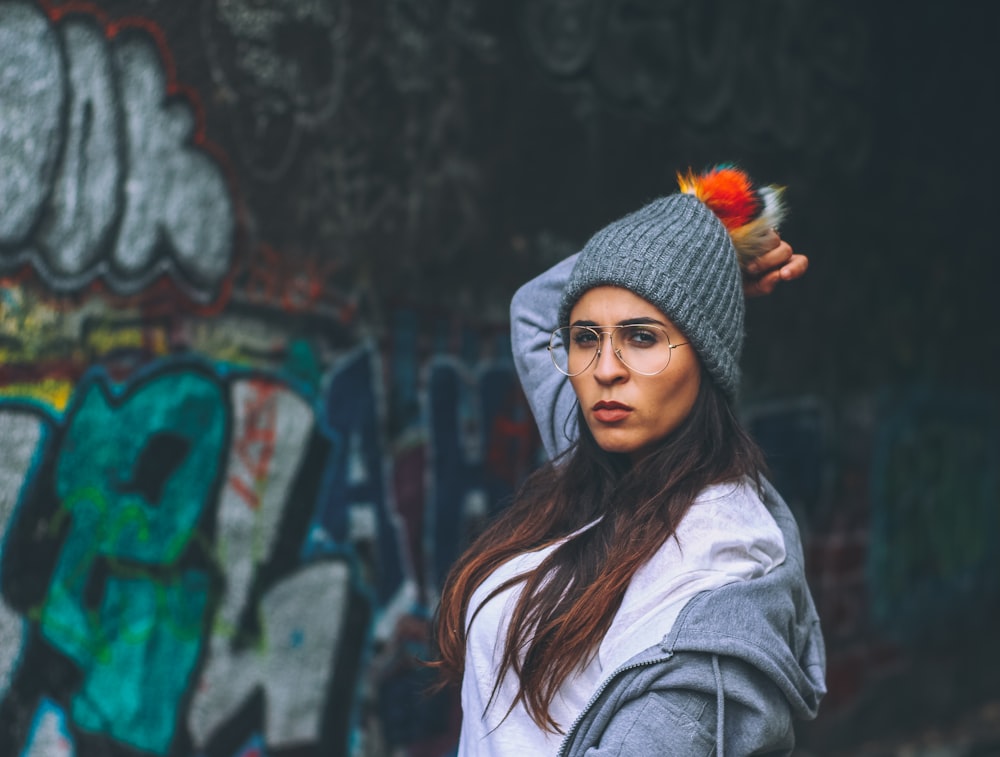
616	443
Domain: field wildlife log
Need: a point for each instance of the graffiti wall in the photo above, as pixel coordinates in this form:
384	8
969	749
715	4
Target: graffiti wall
213	541
256	390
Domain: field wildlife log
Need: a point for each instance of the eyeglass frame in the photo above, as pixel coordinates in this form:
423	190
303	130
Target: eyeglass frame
599	332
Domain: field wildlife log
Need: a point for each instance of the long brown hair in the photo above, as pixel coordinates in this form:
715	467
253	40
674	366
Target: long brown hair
568	602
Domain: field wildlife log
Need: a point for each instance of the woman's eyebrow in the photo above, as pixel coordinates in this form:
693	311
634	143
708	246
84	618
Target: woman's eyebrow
641	320
638	320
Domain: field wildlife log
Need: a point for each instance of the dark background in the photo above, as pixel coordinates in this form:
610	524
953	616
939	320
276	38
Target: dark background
397	168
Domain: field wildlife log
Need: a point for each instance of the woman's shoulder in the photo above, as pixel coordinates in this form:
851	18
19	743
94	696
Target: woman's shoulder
726	494
729	526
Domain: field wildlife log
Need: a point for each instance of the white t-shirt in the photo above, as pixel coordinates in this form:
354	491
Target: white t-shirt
728	535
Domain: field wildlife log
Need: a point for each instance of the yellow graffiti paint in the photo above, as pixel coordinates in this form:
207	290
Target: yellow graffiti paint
105	340
52	392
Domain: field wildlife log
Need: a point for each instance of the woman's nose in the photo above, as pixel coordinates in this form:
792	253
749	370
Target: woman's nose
609	366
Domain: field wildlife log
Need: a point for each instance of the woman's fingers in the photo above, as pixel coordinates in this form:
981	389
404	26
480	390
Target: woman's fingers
764	273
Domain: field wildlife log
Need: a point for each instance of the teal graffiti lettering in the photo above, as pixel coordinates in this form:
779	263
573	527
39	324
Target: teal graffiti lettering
133	477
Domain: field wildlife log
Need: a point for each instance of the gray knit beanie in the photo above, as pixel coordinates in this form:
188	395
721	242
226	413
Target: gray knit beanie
676	254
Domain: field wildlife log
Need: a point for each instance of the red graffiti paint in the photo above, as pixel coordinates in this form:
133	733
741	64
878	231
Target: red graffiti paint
255	447
293	283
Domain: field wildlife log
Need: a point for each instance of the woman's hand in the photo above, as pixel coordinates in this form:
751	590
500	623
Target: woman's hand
763	274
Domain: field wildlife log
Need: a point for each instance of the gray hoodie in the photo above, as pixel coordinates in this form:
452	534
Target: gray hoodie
739	665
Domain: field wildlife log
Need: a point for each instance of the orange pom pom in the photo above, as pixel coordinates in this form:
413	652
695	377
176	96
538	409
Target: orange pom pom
728	191
748	212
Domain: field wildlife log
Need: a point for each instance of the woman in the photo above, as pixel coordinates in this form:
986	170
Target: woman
644	594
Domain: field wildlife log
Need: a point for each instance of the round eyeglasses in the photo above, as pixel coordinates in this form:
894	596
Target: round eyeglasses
643	347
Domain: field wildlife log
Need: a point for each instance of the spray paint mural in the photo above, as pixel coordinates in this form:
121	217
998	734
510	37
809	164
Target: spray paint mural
105	172
210	545
198	557
233	472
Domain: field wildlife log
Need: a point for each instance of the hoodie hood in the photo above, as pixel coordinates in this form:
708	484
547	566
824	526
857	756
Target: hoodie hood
769	622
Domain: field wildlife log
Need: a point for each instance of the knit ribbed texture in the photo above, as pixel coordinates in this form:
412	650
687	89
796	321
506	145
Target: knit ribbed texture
676	254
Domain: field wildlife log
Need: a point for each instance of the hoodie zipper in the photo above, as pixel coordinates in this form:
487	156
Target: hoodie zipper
597	695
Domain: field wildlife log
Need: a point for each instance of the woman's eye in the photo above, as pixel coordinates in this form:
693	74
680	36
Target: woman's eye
585	339
641	336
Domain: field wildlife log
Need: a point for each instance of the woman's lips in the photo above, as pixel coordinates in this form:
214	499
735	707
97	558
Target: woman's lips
610	412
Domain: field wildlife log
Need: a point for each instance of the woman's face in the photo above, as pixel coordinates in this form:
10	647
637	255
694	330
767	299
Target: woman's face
626	411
